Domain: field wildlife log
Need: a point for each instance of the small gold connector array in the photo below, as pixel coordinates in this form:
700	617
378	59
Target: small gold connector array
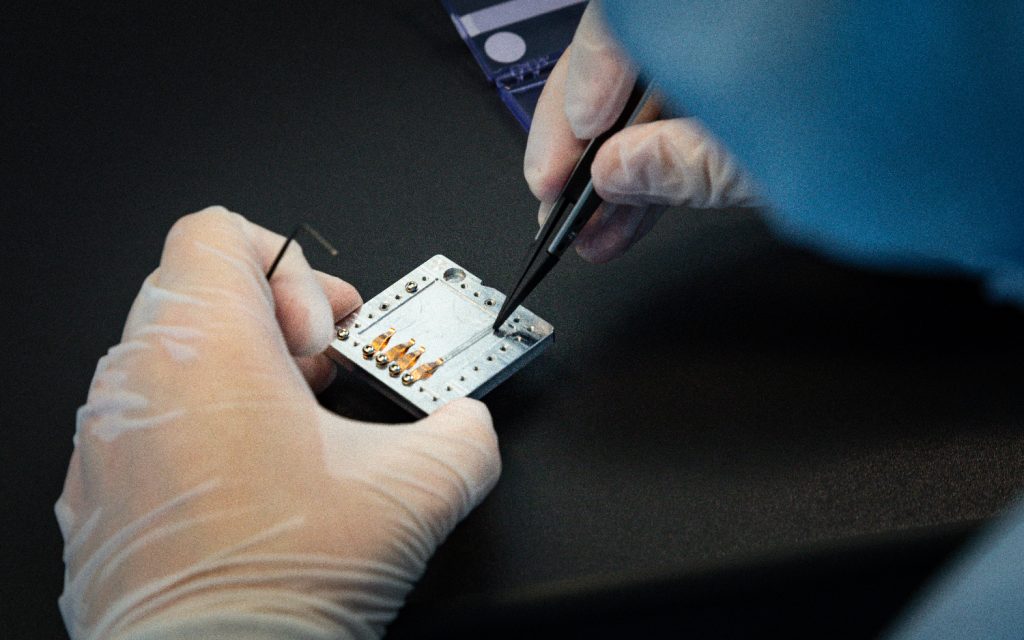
399	359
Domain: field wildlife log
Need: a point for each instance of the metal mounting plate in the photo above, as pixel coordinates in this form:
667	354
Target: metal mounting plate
448	311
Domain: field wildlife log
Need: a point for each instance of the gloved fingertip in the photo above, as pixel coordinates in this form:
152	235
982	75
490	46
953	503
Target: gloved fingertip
471	420
595	253
472	444
342	296
598	84
533	165
546	176
613	179
543	212
610	232
305	316
468	412
319	371
582	120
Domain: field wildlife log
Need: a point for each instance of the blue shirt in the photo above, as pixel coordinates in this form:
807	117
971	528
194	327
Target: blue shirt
884	133
889	134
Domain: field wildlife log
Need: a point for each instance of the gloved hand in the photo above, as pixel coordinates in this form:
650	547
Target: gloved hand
638	171
209	495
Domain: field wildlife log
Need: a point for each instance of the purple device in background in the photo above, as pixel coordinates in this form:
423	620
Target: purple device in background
516	43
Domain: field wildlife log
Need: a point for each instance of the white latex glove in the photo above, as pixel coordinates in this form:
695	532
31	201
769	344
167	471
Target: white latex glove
209	495
640	170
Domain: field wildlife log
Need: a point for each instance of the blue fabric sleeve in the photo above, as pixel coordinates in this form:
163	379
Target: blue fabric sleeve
889	133
981	595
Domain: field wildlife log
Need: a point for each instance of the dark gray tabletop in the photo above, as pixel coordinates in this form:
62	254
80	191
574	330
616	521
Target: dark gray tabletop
718	408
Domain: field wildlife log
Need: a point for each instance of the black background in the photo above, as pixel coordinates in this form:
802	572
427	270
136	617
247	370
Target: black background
727	430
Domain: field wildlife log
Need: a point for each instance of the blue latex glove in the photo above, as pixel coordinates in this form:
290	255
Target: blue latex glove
887	133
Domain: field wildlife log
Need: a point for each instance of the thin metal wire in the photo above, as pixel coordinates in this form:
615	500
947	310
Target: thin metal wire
302	226
476	337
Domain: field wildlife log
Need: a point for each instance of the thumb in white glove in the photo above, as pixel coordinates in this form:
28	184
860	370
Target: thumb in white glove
210	495
639	171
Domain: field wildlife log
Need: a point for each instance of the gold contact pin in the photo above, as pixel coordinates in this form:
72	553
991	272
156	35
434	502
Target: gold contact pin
382	340
422	372
397	351
409	359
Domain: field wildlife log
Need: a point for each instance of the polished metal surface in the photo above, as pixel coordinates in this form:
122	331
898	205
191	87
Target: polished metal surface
449	311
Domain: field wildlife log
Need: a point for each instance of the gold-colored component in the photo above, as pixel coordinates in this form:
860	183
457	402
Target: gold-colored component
342	334
410	358
422	372
382	340
381	359
411	286
397	351
368	351
394	369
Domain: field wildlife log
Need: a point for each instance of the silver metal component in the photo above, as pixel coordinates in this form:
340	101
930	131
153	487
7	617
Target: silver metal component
342	333
368	351
446	318
381	359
